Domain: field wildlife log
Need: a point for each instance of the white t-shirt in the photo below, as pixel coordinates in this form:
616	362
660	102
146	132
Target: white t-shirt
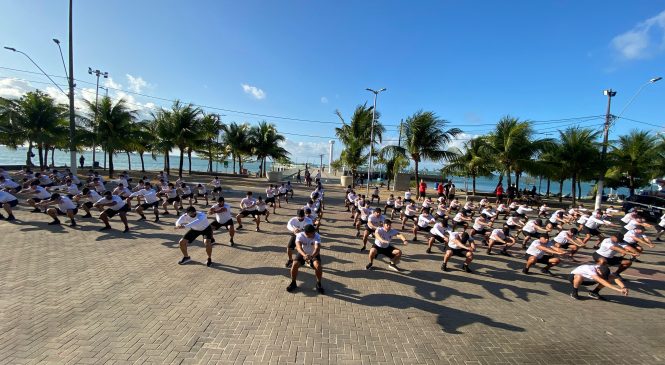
6	197
9	183
459	217
308	244
587	271
217	183
149	196
630	236
270	193
198	223
631	224
41	193
562	238
93	196
364	213
410	210
452	236
662	221
224	216
583	219
119	202
66	204
530	227
294	224
261	206
523	209
497	233
390	202
594	223
512	221
626	218
71	189
488	212
248	204
407	195
605	249
399	203
533	249
441	210
555	216
478	224
385	235
375	221
425	220
438	230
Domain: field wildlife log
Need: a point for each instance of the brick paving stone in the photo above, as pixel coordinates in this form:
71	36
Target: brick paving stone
82	296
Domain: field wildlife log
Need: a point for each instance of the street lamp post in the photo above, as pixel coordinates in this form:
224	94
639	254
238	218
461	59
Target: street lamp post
94	127
371	138
608	121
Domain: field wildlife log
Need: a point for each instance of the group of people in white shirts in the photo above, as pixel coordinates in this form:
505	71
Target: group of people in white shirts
473	222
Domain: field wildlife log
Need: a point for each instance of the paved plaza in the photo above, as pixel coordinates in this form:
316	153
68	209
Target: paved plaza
83	296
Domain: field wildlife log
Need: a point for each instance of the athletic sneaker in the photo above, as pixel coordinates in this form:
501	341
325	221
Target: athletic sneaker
142	218
596	296
231	243
212	242
429	250
52	223
546	271
72	224
36	210
394	267
184	260
257	229
239	227
505	253
87	216
291	287
288	263
489	252
362	249
2	217
319	288
125	230
525	271
369	266
574	295
11	218
209	263
466	268
444	267
105	228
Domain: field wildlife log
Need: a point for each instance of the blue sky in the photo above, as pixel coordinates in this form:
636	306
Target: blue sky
470	62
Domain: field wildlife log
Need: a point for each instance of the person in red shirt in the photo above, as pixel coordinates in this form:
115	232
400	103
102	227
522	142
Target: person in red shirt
422	187
499	193
439	190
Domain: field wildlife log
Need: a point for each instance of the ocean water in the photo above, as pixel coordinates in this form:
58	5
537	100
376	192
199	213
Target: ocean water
9	157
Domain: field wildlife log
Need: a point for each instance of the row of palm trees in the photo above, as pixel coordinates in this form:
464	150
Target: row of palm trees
510	150
37	120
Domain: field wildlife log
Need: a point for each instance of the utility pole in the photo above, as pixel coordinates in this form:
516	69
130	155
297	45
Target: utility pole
94	127
603	154
72	119
371	136
321	162
399	144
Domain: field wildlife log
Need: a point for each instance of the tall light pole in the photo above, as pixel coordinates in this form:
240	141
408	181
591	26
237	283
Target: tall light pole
36	65
72	120
330	156
371	136
94	127
608	120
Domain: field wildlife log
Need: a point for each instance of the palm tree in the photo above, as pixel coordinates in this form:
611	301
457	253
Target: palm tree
514	147
236	139
115	125
266	143
356	136
578	151
393	163
161	126
142	140
632	159
184	121
474	161
426	139
210	126
36	119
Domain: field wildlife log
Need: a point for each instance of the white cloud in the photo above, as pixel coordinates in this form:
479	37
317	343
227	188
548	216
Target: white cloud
310	151
324	100
460	140
254	91
112	84
643	40
136	84
14	88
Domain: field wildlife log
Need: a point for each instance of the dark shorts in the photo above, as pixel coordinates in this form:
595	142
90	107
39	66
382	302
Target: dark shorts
88	205
281	194
563	245
391	206
544	260
410	218
186	196
407	201
422	194
301	260
397	209
585	282
532	234
202	194
590	231
369	229
270	200
172	200
217	190
613	261
46	185
451	196
438	238
458	252
265	212
481	232
499	196
385	251
423	229
245	213
440	194
110	212
216	225
292	242
150	205
12	203
462	224
374	196
60	212
36	200
659	228
192	234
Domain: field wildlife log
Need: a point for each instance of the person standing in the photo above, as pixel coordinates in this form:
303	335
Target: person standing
298	177
82	161
422	190
308	247
197	224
